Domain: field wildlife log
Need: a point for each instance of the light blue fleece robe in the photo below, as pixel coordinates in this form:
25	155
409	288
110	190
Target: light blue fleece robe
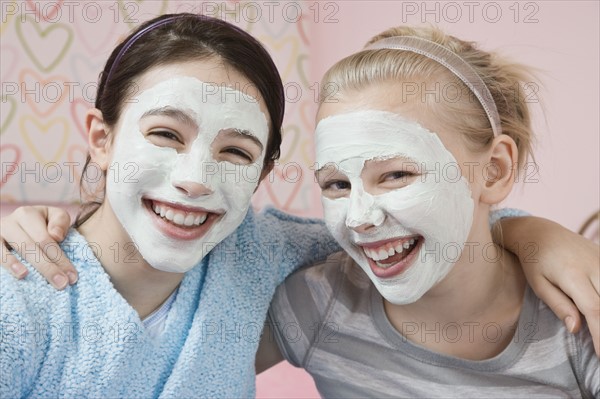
87	341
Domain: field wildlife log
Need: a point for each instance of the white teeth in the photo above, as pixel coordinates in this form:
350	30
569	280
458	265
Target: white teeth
383	255
386	251
373	254
189	220
180	218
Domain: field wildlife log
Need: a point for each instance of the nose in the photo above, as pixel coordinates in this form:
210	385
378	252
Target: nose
363	214
192	174
192	189
363	228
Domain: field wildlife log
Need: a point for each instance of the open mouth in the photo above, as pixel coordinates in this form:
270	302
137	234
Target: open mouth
178	221
393	256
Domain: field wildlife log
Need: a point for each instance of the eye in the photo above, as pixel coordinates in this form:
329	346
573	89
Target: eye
397	175
237	155
335	188
337	185
164	137
396	179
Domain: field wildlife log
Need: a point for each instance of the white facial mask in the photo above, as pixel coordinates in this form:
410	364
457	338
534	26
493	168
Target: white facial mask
140	169
437	205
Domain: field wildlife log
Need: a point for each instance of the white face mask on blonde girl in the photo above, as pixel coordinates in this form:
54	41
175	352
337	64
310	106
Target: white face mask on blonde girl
403	194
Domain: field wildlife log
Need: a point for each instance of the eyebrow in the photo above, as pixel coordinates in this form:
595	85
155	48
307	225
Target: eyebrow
174	113
234	132
321	170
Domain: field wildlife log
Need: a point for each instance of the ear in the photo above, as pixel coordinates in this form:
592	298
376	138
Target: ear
99	138
500	171
266	170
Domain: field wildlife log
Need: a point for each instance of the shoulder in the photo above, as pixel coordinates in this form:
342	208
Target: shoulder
313	298
274	227
279	243
80	252
31	314
589	363
34	296
270	213
548	340
338	269
276	223
322	274
315	287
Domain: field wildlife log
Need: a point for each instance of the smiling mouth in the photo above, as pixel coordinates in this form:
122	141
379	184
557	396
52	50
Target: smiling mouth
391	252
181	222
393	256
179	217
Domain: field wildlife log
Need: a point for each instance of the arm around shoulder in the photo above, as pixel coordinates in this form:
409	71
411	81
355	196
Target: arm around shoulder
296	241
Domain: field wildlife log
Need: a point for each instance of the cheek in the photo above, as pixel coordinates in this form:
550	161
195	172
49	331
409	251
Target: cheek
476	170
483	177
335	211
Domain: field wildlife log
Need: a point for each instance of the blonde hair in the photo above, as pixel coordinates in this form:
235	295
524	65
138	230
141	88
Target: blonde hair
505	81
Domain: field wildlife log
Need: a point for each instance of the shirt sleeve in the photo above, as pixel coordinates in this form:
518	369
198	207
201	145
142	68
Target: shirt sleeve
504	213
589	364
296	241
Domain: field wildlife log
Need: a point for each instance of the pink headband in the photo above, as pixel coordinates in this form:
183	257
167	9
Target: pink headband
454	63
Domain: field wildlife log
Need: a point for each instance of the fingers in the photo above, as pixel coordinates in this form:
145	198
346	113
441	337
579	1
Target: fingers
586	297
560	303
25	230
46	236
584	294
58	223
11	263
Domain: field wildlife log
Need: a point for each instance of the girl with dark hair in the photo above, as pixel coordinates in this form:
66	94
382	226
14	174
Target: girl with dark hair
186	123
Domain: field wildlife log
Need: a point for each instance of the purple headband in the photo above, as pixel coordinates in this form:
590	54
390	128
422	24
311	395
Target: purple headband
135	37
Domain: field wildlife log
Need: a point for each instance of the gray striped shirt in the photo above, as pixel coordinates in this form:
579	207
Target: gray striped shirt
329	319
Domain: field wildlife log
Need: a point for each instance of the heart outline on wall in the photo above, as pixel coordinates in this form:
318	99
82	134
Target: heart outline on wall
17	157
43	82
44	128
43	33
